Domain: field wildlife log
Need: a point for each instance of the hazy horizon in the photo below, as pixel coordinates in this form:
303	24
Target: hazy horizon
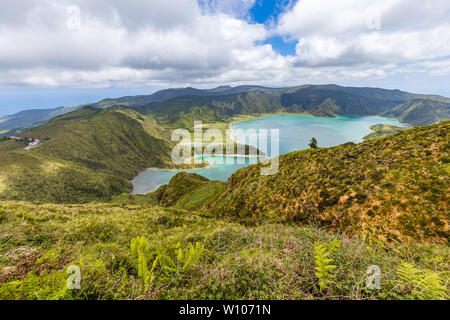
14	100
58	53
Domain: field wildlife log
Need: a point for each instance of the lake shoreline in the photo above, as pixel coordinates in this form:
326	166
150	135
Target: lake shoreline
208	164
297	132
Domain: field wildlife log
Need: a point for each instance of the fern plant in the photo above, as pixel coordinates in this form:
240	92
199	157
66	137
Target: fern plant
334	246
140	248
190	256
180	259
172	259
323	253
422	284
139	243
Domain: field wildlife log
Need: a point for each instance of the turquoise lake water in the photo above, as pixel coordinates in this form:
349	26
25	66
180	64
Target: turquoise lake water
295	133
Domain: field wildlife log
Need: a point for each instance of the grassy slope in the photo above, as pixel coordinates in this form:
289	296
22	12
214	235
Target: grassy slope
88	154
188	191
271	261
11	144
394	188
421	112
109	141
27	176
382	131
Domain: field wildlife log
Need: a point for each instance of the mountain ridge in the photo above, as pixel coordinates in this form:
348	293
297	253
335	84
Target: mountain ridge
328	101
327	106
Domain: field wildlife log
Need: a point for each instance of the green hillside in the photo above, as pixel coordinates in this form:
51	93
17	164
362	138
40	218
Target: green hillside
421	112
383	130
394	189
29	176
168	94
189	191
7	144
109	141
183	111
334	100
198	257
86	155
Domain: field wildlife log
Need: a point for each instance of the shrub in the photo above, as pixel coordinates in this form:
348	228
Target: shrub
48	286
323	262
140	248
421	284
313	143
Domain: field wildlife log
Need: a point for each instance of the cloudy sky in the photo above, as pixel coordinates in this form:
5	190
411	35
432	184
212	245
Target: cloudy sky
62	52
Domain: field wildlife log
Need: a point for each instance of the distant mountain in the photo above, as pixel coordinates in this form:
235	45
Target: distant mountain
421	112
179	106
31	118
168	94
395	188
323	100
181	112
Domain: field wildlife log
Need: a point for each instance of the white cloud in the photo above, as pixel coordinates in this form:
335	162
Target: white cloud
235	8
213	42
160	38
356	32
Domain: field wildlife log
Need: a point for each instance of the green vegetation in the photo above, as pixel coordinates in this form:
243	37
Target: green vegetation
189	191
421	112
179	107
311	231
402	179
181	110
313	143
26	175
179	186
86	155
422	284
197	257
383	130
134	199
323	261
140	248
135	249
7	144
111	141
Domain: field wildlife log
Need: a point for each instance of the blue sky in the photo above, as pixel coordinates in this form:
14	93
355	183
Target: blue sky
13	100
65	52
267	11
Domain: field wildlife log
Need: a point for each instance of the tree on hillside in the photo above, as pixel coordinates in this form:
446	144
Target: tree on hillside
313	143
